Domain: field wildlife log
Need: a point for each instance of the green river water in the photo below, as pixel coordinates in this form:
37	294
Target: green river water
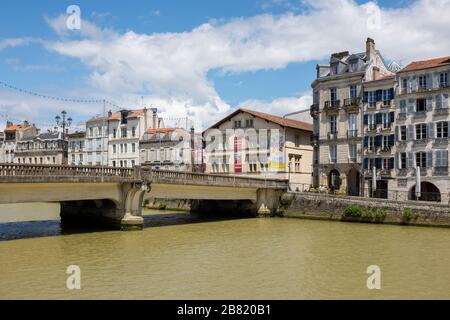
180	256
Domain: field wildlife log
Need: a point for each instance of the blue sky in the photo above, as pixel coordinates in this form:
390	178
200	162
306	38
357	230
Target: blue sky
197	58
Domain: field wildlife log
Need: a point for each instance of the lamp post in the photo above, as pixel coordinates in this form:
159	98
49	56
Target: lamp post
62	122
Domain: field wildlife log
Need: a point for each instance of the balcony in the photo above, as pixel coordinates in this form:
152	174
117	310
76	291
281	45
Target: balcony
440	171
370	150
314	110
371	105
440	112
332	135
352	134
444	85
385	149
420	142
420	114
387	128
402	172
371	127
332	106
352	104
386	104
401	116
423	88
441	142
386	173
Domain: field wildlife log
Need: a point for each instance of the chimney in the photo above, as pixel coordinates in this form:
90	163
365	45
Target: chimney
376	73
160	122
154	118
145	119
109	114
370	49
26	124
192	149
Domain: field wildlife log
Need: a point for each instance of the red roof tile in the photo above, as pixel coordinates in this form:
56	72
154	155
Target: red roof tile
426	64
275	119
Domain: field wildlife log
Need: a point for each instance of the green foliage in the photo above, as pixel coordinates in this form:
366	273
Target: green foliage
380	214
367	213
352	211
407	214
162	206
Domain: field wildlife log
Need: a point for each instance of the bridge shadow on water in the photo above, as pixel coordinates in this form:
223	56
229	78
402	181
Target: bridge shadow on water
49	228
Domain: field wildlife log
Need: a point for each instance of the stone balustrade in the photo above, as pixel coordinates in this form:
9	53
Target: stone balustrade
35	173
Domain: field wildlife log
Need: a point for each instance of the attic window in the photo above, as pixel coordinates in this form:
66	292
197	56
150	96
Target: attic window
334	69
354	65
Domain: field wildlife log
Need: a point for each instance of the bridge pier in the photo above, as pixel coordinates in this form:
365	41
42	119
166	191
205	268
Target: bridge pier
123	215
268	202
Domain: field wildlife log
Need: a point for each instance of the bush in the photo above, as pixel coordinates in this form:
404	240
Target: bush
407	214
380	214
352	211
367	213
162	206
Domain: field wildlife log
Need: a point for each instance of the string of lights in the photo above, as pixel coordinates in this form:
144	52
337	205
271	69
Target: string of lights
63	99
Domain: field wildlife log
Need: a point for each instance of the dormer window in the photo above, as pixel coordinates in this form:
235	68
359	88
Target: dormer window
334	69
354	65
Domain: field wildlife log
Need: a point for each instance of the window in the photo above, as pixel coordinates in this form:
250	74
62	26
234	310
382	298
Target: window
114	163
353	92
81	158
421	105
386	164
421	131
402	106
443	79
442	129
91	132
403	160
354	65
404	85
133	132
133	162
333	124
371	143
333	95
124	132
114	133
352	132
441	158
114	148
334	69
297	140
333	153
372	99
133	147
54	160
402	133
421	159
386	120
237	123
73	158
126	147
352	152
422	82
249	123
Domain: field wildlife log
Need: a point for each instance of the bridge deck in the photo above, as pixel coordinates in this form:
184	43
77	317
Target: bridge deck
35	173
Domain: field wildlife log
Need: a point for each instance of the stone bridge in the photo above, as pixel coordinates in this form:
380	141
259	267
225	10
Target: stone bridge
115	195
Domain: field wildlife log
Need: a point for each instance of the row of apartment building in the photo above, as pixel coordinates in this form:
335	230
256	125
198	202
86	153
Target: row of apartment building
367	114
245	142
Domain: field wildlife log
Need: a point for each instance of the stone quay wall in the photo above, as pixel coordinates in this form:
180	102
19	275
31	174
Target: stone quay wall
331	207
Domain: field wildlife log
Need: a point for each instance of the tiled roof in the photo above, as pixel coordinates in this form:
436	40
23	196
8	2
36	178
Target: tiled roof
14	127
133	114
426	64
289	123
95	120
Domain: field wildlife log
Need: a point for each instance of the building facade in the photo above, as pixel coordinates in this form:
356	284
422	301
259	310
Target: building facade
77	148
96	141
337	111
253	143
12	134
379	136
126	128
422	126
166	149
43	148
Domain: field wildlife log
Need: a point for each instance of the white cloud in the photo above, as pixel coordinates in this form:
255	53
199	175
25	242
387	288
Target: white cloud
174	66
16	42
279	106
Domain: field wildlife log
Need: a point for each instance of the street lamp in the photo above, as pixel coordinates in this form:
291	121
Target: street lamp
62	122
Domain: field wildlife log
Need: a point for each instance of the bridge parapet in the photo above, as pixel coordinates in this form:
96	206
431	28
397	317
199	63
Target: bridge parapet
63	173
165	176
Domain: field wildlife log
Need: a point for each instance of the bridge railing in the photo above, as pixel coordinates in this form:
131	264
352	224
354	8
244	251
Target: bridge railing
71	173
39	171
213	179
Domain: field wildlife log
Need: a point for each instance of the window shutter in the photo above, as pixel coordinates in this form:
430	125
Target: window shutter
411	105
429	81
435	78
429	159
366	119
379	94
430	134
379	119
410	159
397	133
378	163
429	103
377	141
391	163
391	140
445	158
398	160
445	100
411	132
391	93
391	117
439	101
